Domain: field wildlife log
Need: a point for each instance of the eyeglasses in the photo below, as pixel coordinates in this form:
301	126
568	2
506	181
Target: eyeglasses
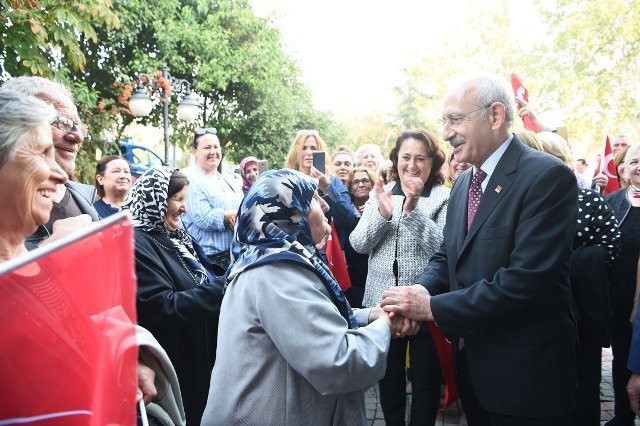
357	182
68	125
456	120
206	130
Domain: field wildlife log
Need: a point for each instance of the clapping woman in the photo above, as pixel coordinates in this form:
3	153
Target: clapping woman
400	229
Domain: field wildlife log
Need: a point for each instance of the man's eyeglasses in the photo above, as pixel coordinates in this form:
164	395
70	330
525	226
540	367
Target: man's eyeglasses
206	130
357	182
68	125
456	120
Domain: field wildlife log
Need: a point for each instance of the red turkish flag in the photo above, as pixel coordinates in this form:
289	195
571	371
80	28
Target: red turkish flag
335	257
520	92
445	356
67	331
608	168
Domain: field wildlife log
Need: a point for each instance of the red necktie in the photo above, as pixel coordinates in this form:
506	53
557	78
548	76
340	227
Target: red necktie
475	193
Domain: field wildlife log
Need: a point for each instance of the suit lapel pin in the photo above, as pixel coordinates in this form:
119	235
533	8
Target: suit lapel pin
498	189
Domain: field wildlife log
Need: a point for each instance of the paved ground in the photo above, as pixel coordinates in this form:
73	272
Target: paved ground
453	414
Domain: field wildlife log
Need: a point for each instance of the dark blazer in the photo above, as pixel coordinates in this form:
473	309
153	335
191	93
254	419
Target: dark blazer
504	287
181	315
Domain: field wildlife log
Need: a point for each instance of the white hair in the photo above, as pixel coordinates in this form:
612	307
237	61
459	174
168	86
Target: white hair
20	116
36	86
364	148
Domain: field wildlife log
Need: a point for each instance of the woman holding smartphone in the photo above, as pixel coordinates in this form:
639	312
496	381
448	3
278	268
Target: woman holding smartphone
331	188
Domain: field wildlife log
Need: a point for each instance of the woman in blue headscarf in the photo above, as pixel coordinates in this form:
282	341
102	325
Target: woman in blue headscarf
290	350
178	295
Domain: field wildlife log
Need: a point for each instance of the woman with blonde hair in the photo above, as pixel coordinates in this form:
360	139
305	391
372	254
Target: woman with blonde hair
618	161
331	188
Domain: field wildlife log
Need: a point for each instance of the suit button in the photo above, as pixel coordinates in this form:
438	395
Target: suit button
461	285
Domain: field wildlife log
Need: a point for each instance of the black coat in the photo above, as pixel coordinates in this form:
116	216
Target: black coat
183	316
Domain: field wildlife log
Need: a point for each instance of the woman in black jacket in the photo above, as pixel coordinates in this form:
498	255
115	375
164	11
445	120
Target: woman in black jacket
625	203
179	295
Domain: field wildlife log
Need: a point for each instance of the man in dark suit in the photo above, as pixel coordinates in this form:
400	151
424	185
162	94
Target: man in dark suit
498	287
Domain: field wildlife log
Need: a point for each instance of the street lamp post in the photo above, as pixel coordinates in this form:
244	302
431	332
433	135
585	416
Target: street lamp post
141	104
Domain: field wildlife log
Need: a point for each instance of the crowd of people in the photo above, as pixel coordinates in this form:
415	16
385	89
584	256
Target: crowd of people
502	241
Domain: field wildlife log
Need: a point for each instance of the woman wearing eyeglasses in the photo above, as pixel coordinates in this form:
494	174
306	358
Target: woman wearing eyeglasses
360	183
400	229
213	199
333	191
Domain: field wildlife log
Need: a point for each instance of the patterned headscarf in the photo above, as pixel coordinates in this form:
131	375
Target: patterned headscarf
243	165
147	202
272	227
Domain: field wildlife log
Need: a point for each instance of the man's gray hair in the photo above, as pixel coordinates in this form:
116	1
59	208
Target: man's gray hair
491	88
36	86
20	116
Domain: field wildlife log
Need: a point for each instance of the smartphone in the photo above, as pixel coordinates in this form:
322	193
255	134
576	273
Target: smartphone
318	161
263	166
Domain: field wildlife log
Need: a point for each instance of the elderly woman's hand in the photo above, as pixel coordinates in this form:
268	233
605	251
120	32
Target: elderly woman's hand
146	383
323	179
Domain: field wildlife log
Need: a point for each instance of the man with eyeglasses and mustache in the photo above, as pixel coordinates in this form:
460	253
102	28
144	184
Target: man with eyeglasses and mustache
498	287
73	201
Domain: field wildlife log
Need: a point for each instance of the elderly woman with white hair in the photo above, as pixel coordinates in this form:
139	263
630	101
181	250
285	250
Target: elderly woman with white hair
28	170
369	156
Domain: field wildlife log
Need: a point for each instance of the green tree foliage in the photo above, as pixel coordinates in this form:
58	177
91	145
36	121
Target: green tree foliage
593	63
249	89
582	68
40	36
